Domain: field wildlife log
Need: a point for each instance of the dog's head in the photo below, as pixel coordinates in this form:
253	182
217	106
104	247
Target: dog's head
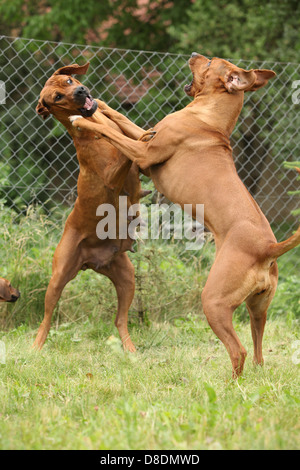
219	75
7	292
63	95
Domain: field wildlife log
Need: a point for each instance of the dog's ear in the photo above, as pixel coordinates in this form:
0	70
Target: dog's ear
74	69
238	79
261	78
246	80
42	110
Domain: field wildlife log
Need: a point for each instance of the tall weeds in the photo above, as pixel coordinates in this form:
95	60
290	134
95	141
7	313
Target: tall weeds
169	281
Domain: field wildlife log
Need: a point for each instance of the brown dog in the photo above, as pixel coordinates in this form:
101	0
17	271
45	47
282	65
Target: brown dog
7	292
104	174
190	161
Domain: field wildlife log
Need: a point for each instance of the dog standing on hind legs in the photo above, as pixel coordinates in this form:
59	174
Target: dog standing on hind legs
104	175
190	161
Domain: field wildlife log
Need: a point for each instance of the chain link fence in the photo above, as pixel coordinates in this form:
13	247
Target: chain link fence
38	160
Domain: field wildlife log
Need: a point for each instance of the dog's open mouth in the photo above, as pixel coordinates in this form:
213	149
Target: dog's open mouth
89	107
88	103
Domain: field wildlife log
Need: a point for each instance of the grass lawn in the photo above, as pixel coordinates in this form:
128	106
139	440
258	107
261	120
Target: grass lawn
83	392
176	392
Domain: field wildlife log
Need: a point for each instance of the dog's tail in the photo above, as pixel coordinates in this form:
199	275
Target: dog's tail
278	249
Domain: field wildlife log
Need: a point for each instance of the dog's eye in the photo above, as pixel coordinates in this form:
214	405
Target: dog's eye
69	81
58	97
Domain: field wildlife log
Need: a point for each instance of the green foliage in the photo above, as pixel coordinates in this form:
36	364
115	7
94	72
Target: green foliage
118	23
68	20
286	301
166	95
247	29
168	288
294	165
241	28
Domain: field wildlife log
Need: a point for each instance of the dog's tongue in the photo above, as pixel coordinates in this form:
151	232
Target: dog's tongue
88	104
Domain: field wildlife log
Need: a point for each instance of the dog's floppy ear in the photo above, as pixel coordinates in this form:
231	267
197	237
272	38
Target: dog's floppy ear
262	77
42	110
246	80
74	69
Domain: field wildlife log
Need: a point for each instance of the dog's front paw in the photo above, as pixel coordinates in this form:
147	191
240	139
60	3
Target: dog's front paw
102	106
74	118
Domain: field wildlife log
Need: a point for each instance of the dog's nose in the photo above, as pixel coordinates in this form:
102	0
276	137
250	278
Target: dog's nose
14	298
80	90
194	54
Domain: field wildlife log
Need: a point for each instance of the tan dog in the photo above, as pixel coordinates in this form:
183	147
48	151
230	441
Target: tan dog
104	174
7	292
190	162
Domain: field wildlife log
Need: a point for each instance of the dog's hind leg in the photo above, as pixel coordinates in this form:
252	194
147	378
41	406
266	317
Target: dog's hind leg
121	273
257	305
219	316
228	285
65	266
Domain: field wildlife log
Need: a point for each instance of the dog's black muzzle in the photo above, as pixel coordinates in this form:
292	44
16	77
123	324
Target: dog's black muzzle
83	98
